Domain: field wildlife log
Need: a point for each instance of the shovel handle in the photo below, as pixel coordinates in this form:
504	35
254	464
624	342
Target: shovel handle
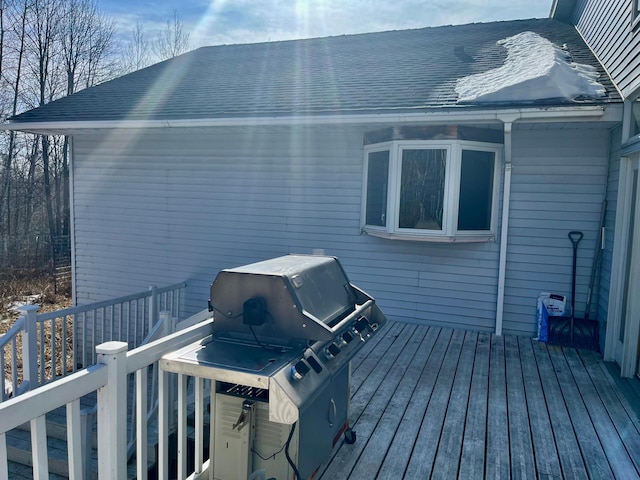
575	237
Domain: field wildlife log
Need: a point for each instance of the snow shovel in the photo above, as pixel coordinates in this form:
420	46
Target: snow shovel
575	238
583	332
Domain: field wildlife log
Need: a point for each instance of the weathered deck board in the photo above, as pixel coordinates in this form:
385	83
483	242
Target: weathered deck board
425	449
375	393
438	403
613	445
545	451
498	463
450	445
520	441
594	456
619	416
429	402
567	445
402	444
474	441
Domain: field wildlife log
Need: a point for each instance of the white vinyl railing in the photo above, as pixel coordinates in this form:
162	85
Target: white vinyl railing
58	343
108	377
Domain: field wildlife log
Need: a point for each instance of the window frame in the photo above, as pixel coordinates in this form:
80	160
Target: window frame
451	200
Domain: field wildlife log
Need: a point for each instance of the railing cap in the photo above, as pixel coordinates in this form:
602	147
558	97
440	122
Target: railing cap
112	348
25	309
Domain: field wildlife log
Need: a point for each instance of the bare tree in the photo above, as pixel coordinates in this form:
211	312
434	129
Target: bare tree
172	41
135	53
86	37
50	48
42	39
20	19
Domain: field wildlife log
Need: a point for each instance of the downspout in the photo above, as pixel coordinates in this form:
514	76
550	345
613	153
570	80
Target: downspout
506	198
72	223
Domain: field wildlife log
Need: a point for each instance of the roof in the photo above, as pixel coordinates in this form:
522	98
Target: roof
393	71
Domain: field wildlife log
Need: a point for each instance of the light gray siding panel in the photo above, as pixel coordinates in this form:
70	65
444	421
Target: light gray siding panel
547	202
606	27
603	286
166	213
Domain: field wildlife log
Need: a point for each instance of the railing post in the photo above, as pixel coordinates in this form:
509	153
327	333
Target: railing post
153	299
165	318
112	412
29	347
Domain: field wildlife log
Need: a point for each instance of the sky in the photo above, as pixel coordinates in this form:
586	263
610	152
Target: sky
216	22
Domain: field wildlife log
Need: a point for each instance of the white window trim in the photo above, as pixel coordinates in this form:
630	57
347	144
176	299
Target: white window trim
449	232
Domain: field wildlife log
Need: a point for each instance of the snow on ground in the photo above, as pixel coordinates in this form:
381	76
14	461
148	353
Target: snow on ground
26	300
535	69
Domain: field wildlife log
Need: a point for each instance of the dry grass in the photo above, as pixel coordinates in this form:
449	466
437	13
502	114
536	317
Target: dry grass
15	286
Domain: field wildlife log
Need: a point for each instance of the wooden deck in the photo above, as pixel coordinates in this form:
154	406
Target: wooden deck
430	402
441	403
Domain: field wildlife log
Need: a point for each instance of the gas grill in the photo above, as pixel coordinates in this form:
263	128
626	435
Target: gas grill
284	333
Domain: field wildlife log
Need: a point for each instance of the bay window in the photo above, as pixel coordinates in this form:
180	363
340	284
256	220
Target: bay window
431	190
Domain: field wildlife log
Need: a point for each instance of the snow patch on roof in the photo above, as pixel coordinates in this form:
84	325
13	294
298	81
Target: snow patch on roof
535	69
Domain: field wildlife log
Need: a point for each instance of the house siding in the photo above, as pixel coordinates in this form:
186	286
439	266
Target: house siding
606	27
558	186
148	210
609	224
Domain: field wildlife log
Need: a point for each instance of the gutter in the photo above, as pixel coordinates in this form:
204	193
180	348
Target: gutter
460	116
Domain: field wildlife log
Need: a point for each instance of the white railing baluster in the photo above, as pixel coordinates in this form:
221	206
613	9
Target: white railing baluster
4	462
84	340
141	423
135	320
153	299
199	423
14	365
3	388
87	419
121	337
95	335
182	426
112	333
103	325
63	353
41	380
39	448
163	425
74	440
112	411
54	356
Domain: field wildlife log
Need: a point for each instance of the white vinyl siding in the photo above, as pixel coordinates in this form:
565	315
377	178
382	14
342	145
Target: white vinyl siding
558	186
610	217
607	27
188	203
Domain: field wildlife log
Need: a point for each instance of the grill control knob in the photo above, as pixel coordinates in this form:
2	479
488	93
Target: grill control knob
347	337
331	351
299	370
361	325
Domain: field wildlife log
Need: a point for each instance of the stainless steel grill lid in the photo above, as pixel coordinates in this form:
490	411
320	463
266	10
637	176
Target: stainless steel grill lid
284	300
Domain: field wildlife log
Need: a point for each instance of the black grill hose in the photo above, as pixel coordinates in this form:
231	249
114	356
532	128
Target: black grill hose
286	453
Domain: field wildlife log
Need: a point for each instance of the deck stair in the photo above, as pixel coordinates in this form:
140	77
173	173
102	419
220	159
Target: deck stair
19	445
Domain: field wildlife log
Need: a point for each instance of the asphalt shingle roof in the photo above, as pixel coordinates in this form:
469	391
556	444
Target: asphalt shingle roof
376	72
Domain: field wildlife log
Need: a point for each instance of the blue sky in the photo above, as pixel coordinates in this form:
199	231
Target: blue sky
214	22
